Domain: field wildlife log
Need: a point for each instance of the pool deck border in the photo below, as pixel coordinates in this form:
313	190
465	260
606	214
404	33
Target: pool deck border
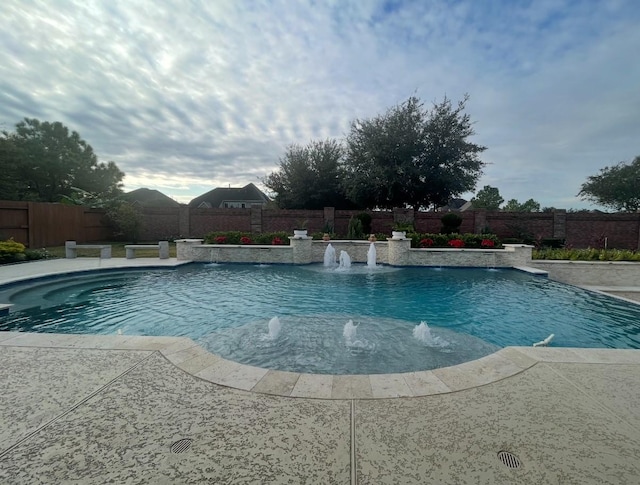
187	355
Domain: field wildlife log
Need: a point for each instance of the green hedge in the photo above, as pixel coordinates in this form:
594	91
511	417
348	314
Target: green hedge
11	251
568	254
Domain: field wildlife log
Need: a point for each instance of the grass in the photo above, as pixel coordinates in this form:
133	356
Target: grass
117	251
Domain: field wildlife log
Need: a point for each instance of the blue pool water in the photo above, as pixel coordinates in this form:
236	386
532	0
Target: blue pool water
227	308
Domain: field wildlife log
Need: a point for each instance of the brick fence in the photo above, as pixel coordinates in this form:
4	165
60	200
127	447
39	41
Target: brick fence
43	224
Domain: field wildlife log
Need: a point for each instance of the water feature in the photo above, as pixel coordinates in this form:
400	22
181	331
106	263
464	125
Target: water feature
350	331
371	256
228	309
345	261
330	257
274	328
422	333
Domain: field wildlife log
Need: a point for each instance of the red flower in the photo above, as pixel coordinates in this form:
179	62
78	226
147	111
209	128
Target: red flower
220	239
245	240
276	241
426	243
456	243
487	243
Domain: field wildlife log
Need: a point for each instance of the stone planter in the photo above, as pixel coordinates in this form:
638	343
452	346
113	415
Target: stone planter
299	233
398	235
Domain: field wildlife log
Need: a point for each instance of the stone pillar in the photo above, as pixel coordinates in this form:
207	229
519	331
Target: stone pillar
479	220
398	251
403	216
560	224
521	254
256	218
185	248
330	218
301	247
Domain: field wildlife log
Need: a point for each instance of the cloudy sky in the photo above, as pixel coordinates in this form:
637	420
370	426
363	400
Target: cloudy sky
185	96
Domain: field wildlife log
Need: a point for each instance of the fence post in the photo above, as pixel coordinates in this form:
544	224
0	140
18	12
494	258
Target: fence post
329	217
479	220
31	237
559	224
256	218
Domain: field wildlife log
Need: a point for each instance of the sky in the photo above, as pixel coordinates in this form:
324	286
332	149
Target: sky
186	96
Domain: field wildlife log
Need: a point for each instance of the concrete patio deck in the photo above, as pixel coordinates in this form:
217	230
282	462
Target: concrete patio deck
107	409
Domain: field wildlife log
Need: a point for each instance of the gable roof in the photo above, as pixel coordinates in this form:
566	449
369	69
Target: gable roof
249	194
456	204
149	198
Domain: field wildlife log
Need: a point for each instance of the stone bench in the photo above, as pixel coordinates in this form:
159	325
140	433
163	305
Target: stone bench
162	247
71	249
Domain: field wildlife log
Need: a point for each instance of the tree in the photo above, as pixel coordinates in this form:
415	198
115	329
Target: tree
309	177
514	206
10	179
411	157
488	198
50	162
617	187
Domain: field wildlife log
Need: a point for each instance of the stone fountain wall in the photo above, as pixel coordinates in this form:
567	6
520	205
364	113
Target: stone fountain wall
304	250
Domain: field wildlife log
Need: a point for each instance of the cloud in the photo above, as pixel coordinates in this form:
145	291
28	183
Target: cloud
197	94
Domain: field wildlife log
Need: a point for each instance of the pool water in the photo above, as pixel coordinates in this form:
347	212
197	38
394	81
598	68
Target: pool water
227	309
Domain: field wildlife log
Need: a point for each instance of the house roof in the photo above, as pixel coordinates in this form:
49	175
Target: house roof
249	194
456	204
149	198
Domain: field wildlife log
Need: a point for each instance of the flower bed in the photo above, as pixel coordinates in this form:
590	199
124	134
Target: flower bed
457	241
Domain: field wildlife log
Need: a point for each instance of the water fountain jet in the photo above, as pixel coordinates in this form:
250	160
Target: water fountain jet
345	261
330	256
274	328
371	256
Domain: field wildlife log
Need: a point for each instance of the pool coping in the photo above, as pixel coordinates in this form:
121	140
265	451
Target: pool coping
193	359
190	357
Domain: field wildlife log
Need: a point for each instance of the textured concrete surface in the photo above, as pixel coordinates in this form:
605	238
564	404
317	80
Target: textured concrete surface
73	413
107	409
124	433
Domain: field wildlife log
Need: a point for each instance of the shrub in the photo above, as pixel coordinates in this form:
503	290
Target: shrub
487	243
126	220
451	223
365	221
590	254
35	254
456	243
443	240
354	230
11	251
237	237
427	242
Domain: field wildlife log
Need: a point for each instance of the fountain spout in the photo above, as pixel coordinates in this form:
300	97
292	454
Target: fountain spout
345	261
371	256
274	328
330	256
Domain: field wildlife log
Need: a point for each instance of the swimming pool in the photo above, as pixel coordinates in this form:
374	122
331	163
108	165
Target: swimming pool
227	308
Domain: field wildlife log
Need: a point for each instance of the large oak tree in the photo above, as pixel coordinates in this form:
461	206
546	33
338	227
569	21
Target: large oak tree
309	177
411	156
617	187
46	162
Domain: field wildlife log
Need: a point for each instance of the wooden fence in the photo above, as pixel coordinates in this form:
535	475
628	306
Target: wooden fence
43	224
